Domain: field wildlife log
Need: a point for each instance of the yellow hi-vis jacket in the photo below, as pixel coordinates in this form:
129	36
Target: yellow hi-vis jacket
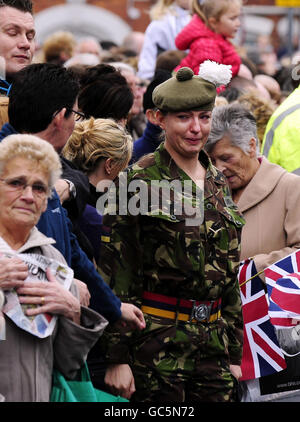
281	143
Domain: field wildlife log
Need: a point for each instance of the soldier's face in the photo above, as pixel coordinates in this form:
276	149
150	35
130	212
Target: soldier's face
234	163
186	132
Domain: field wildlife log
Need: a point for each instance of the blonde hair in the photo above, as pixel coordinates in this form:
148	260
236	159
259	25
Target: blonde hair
57	43
3	110
220	101
160	9
206	9
261	110
31	148
95	139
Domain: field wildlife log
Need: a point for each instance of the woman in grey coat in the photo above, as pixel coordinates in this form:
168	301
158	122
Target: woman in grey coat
29	168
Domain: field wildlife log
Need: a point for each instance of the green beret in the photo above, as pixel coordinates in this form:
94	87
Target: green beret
185	91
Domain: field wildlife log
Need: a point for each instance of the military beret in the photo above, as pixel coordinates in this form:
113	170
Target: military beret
187	91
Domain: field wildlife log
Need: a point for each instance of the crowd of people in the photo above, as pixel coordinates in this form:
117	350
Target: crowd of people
148	170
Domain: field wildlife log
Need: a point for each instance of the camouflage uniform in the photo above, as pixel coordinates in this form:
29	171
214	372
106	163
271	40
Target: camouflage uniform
159	253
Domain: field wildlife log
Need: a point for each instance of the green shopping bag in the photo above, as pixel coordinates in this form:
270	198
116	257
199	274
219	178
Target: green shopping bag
79	391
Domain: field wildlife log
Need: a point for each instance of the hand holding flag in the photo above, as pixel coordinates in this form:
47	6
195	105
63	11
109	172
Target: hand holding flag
261	352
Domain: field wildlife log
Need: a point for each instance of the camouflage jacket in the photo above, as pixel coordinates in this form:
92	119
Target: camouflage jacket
156	250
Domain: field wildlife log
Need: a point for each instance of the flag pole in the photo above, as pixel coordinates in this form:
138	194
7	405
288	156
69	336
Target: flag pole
255	275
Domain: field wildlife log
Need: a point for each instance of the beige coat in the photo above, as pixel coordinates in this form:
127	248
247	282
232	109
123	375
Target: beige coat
26	361
271	207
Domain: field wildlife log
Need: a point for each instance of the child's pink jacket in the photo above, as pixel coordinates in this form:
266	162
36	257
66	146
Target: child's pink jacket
204	44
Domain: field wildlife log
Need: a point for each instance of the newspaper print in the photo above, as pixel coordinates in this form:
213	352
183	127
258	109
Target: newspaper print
41	325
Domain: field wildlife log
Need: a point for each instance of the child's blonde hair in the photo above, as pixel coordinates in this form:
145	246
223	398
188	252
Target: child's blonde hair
160	8
206	9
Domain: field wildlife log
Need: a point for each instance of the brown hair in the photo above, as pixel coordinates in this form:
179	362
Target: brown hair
206	9
58	43
22	5
160	9
261	110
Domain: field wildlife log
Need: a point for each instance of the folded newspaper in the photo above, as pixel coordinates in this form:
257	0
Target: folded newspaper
41	325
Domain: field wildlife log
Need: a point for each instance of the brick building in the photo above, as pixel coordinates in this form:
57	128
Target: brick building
120	8
113	19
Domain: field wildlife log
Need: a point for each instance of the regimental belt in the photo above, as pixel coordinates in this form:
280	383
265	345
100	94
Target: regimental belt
181	309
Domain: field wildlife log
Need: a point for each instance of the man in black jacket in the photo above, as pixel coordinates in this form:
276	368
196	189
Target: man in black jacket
43	102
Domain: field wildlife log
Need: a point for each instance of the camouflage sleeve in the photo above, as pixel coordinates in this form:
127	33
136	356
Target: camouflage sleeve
121	255
232	305
120	265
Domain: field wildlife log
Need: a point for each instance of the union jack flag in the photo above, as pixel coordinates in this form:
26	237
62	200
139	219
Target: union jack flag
262	354
282	279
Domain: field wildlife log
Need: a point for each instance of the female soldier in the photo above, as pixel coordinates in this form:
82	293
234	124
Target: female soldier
178	266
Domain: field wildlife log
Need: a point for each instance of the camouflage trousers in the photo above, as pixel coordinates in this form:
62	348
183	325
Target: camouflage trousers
186	362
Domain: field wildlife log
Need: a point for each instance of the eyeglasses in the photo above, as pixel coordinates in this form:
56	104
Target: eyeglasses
78	115
20	184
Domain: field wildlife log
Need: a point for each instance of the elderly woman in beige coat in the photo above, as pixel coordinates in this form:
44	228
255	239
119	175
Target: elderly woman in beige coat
266	194
29	168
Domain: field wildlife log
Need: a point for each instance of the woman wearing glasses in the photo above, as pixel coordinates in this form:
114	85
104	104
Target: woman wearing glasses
29	167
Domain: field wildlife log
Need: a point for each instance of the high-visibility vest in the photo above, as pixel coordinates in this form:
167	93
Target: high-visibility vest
281	143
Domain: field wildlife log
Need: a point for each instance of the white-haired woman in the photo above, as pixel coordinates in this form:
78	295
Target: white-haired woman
29	167
266	194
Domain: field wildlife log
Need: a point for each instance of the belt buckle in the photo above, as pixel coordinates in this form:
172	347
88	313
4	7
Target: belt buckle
200	312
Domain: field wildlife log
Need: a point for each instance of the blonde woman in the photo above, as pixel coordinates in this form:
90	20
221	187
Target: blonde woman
168	17
101	148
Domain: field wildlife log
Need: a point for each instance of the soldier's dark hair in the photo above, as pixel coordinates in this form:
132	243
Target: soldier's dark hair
23	5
